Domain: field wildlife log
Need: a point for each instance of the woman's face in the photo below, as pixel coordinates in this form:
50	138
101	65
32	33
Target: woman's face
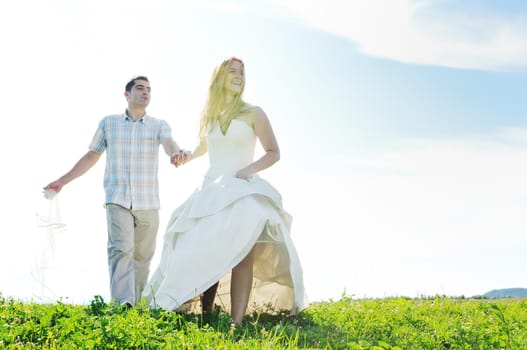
235	77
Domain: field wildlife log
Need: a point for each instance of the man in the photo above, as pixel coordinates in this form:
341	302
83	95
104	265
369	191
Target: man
131	141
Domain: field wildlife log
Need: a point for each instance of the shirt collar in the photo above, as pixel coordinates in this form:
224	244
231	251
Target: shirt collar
126	117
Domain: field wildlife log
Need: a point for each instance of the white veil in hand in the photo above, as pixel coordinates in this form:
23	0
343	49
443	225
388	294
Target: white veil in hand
44	271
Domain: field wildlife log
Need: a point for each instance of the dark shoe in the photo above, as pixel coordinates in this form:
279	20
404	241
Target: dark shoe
207	300
127	306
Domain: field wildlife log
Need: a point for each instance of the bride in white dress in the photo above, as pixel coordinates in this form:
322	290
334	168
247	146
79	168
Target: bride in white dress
233	229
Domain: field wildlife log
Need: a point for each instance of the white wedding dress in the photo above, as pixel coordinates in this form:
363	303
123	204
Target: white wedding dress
218	226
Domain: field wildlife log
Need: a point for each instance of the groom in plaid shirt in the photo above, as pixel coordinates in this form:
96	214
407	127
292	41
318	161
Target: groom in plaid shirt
131	141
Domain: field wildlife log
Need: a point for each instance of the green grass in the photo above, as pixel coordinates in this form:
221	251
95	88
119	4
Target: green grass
392	323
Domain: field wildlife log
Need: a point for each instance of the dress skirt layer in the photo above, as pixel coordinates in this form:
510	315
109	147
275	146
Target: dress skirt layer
209	234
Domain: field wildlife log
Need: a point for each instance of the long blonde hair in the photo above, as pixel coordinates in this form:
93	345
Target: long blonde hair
215	104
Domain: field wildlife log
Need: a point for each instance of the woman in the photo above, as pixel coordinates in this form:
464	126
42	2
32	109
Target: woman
233	229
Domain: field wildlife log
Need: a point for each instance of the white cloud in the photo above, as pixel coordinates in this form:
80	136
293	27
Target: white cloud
469	176
417	219
420	31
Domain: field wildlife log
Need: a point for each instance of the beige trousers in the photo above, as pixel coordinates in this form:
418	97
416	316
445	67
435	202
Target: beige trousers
131	246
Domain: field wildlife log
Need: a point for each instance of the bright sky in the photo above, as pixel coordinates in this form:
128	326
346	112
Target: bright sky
401	124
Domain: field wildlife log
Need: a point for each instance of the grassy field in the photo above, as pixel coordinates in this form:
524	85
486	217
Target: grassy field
392	323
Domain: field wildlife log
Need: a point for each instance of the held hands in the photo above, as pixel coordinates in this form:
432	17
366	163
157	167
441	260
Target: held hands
179	158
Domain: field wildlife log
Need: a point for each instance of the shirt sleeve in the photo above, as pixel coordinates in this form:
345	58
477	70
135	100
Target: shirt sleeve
98	143
165	131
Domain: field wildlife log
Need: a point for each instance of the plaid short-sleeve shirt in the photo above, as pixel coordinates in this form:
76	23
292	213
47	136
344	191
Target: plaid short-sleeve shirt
132	159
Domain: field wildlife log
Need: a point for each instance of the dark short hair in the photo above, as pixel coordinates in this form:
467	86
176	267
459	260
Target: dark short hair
131	83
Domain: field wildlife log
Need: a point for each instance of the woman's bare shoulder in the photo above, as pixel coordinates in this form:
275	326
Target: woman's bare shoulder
254	112
249	114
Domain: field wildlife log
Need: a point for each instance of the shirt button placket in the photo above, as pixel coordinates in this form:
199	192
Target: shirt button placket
133	163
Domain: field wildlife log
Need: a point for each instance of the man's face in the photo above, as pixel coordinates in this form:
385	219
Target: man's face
140	94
